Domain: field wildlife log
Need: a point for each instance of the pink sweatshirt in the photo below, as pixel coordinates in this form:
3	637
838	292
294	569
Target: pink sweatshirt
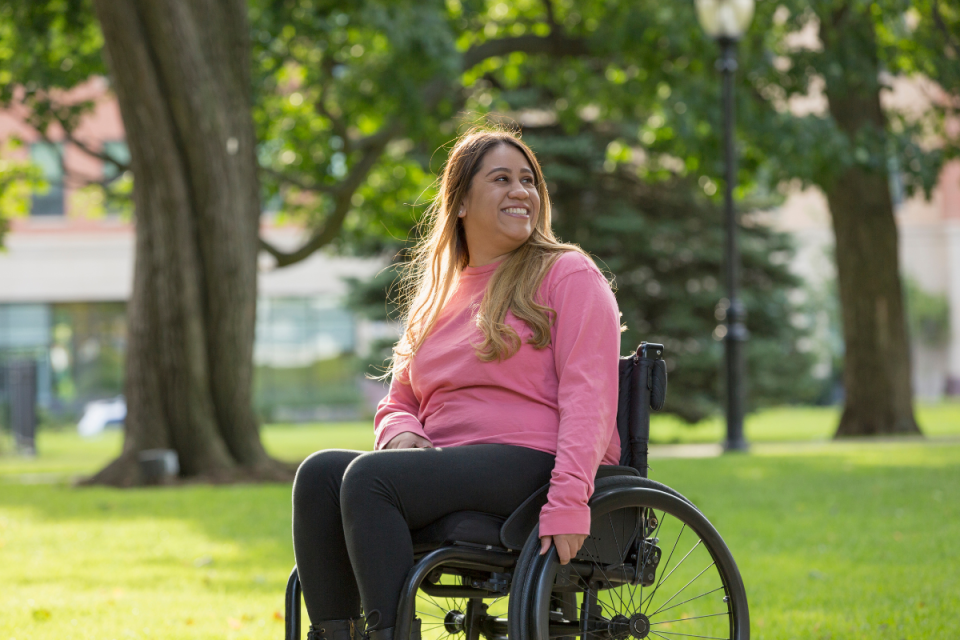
561	399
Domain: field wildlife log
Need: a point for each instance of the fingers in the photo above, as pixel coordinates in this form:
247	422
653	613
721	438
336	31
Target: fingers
545	543
562	545
568	546
408	440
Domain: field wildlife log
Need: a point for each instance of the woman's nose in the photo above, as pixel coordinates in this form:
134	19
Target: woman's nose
519	192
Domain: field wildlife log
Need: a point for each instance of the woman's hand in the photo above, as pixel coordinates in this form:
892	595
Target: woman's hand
567	544
408	440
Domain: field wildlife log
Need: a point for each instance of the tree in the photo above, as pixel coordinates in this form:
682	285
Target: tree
181	75
877	365
857	46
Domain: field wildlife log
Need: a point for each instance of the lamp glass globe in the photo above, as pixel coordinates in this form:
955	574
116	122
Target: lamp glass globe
725	18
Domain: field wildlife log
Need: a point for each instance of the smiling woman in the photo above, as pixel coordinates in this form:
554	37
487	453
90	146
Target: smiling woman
505	380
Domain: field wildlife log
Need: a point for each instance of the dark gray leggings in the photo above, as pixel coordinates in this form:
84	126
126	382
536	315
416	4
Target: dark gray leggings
353	513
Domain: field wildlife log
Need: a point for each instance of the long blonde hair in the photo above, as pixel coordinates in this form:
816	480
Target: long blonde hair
428	280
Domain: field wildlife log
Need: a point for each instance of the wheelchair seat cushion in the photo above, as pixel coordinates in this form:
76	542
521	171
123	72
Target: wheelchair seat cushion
484	529
463	527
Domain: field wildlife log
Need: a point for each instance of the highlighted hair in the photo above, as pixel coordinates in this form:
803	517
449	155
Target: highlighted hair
430	277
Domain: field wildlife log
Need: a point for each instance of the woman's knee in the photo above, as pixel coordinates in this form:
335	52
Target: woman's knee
362	480
321	473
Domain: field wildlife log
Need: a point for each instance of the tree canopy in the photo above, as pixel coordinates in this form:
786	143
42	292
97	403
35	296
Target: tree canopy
351	101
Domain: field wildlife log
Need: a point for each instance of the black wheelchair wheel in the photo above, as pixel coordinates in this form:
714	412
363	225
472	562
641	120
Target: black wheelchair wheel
653	567
456	617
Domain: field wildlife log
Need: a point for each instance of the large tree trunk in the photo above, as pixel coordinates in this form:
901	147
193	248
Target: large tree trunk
876	374
181	74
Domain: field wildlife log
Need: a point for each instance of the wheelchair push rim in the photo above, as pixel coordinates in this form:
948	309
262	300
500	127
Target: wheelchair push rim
696	589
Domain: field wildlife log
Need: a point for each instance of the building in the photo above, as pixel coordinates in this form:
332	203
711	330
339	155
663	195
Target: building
66	273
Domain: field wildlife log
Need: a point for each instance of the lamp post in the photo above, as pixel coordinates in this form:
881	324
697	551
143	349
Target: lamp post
726	21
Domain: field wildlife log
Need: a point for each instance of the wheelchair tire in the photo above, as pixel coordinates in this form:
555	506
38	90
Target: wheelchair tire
695	588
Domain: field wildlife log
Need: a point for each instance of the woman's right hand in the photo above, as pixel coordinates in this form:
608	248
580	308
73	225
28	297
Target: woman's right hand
408	440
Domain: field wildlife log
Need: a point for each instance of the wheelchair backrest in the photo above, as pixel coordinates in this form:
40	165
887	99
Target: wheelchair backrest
643	388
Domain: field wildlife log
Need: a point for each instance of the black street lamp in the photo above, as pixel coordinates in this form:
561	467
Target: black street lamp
726	21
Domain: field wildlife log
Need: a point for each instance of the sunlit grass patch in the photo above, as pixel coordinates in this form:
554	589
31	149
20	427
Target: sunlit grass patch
834	540
197	562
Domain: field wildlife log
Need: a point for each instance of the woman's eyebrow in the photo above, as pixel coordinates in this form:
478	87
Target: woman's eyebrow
495	169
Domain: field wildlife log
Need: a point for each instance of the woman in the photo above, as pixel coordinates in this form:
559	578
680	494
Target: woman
504	379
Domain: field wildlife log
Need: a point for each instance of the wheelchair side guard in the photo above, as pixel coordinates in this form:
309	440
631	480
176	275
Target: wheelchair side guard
608	539
524	518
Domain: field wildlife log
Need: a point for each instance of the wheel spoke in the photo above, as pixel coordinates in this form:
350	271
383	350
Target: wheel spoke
660	582
689	583
436	609
711	615
686	635
669	558
604	574
424	613
661	609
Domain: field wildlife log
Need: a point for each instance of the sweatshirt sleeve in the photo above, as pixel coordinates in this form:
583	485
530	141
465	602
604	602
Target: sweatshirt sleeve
397	413
586	338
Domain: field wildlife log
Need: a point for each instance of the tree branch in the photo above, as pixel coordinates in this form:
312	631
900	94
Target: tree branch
104	157
555	44
952	43
551	18
342	201
298	183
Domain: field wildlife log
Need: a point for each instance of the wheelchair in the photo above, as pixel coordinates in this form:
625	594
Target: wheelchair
652	567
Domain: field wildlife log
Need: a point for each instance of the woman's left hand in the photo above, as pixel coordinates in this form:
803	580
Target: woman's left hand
567	544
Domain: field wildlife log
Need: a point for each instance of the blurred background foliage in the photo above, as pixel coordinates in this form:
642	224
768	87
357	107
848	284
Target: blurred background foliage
355	104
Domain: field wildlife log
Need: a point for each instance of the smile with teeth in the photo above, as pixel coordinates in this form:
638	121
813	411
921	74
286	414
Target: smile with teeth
519	212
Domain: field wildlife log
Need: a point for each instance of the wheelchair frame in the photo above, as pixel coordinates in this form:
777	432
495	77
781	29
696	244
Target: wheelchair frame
642	387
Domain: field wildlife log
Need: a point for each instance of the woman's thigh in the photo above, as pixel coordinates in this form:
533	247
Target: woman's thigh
427	484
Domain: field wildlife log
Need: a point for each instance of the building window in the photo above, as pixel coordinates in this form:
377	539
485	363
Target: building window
118	150
49	157
118	187
305	367
25	335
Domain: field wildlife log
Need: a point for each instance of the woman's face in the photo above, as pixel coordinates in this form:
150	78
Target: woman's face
502	205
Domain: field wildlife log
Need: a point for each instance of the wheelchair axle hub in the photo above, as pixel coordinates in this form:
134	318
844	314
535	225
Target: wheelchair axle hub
454	621
639	625
621	627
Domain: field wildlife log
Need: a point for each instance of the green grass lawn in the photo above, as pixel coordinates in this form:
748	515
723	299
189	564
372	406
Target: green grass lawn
834	540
